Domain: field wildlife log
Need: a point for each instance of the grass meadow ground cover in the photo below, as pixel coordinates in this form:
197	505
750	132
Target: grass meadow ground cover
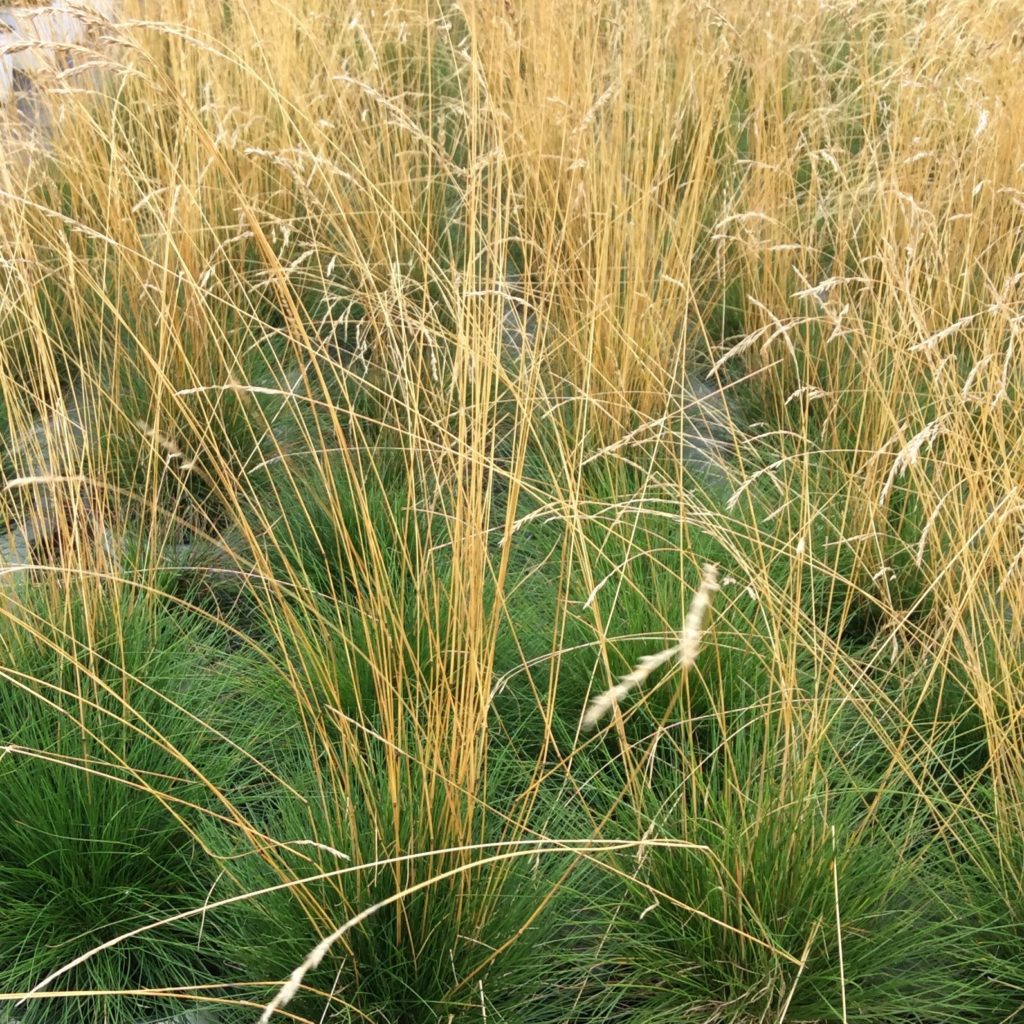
350	383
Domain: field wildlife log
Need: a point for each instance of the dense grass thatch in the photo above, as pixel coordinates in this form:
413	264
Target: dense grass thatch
384	385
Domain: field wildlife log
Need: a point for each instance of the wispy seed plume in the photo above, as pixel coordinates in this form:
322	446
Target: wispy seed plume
685	651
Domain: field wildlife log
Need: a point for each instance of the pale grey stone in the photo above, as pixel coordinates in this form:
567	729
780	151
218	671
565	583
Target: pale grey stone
33	48
49	448
712	430
518	318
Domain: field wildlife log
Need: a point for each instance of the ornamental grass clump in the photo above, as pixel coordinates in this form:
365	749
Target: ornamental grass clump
512	512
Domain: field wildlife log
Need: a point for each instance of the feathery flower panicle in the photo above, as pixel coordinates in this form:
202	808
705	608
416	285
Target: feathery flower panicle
910	453
685	651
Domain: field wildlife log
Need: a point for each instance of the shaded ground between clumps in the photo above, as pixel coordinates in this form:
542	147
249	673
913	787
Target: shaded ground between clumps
49	449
